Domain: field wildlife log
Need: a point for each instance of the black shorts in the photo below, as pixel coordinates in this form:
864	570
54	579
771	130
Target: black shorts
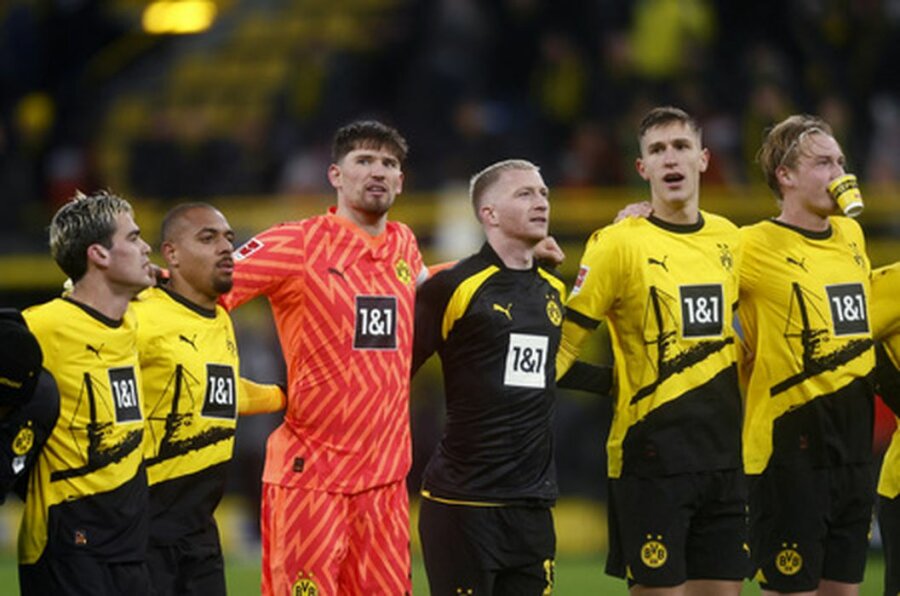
192	567
809	524
489	550
83	575
664	531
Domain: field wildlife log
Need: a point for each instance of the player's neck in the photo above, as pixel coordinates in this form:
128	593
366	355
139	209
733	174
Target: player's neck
679	213
514	253
802	218
102	297
370	223
185	290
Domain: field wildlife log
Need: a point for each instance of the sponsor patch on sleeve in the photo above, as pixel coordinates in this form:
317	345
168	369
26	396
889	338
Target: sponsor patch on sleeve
582	275
250	247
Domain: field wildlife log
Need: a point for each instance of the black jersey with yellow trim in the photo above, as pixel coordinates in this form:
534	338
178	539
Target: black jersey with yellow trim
23	432
667	292
87	493
804	310
496	331
189	364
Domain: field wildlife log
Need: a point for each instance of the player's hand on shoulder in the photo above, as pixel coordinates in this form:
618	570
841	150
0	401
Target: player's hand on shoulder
548	252
641	209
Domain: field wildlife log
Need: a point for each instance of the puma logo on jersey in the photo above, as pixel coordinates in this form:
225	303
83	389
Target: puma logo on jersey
337	272
801	263
505	311
189	342
652	261
92	349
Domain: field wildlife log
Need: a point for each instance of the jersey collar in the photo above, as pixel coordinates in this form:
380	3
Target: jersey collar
488	253
96	314
811	234
373	242
203	312
678	228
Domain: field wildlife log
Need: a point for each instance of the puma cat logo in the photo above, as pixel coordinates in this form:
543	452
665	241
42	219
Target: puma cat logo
95	351
652	261
505	311
189	342
801	263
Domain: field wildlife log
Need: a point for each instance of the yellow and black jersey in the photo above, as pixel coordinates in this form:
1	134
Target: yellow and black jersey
886	309
189	364
87	493
496	331
804	311
667	292
886	329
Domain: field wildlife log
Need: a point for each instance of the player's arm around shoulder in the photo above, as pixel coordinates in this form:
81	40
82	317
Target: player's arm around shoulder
432	299
259	398
266	260
593	291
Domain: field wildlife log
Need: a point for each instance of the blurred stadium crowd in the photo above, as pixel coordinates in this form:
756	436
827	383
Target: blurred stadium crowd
247	108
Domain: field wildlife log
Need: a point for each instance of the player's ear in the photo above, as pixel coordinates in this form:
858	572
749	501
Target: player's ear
784	175
169	253
487	214
334	175
641	168
704	159
98	254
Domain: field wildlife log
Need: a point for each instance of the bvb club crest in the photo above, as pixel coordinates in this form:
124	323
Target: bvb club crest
654	553
788	561
554	312
304	586
24	440
725	256
404	274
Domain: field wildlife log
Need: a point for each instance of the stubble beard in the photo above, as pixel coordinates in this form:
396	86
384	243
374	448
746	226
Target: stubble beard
223	285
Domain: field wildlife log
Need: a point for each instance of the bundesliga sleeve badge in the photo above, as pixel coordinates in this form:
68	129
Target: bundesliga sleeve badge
582	275
250	247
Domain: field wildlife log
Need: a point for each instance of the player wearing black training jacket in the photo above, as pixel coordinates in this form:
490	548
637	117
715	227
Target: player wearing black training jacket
494	319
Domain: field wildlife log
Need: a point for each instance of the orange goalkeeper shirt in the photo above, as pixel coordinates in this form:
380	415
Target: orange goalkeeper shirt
343	303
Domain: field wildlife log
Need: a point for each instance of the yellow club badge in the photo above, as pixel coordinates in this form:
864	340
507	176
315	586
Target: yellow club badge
24	440
404	273
654	553
788	561
554	312
304	586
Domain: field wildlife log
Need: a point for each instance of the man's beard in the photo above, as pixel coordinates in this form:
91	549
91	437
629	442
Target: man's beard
378	206
223	285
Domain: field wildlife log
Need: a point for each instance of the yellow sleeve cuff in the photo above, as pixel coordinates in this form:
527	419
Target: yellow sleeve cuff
573	335
256	398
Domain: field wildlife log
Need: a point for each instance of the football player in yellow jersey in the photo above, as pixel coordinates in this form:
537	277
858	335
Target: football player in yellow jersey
192	397
886	328
84	528
808	359
666	285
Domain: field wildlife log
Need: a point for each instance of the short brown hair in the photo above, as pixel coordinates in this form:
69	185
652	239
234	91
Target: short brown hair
83	221
483	180
369	134
664	115
781	145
